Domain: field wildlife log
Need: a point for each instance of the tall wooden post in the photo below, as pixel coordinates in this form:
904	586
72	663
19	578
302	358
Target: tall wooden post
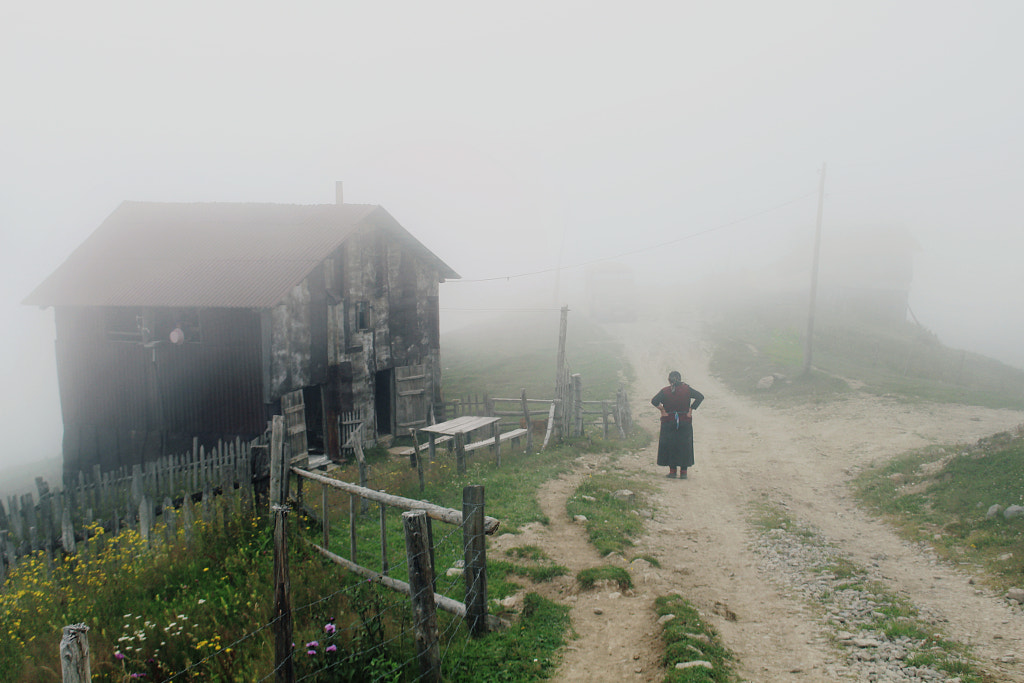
577	405
560	389
421	585
74	654
279	467
809	340
475	571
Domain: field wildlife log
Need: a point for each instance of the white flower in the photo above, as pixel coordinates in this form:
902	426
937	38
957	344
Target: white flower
201	601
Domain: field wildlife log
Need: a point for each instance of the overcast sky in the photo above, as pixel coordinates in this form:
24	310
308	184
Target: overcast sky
518	137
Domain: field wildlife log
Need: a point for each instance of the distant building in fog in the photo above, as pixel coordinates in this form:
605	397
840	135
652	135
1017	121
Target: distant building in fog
867	274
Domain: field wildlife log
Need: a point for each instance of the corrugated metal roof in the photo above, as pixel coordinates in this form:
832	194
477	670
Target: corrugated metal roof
205	254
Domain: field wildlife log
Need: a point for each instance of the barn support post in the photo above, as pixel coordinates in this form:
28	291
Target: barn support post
74	654
475	572
421	585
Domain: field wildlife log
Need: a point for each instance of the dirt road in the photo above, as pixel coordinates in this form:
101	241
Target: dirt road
748	452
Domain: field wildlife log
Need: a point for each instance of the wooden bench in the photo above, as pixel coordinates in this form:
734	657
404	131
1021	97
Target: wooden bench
409	450
513	434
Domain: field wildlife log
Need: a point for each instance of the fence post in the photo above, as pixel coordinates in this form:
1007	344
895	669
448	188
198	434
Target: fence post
3	554
383	538
577	405
416	457
352	526
279	466
497	443
475	547
325	521
74	654
527	422
421	584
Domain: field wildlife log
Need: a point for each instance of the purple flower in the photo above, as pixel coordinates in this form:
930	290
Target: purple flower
118	655
313	643
330	628
332	648
311	653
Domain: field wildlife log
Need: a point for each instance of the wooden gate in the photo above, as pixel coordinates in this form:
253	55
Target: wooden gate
294	408
411	401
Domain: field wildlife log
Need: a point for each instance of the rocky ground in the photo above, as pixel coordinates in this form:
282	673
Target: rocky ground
764	594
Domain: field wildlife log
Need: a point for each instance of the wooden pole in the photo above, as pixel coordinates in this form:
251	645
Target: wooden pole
282	624
560	388
496	427
420	472
74	654
352	520
809	340
577	405
526	421
475	571
325	521
421	585
384	565
283	664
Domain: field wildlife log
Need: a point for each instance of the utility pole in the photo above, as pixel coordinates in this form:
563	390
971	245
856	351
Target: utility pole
808	342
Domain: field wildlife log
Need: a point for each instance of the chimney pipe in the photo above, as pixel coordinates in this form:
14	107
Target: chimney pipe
338	194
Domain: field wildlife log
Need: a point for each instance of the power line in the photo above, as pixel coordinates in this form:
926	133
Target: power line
643	249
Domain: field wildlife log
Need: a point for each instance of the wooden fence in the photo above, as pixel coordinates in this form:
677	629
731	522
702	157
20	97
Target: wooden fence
58	520
565	415
419	553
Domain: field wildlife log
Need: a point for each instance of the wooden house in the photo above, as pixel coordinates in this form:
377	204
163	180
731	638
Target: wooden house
183	321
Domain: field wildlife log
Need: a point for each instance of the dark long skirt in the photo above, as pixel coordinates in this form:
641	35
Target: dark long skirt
675	445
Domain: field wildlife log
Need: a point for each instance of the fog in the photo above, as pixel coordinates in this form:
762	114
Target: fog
682	140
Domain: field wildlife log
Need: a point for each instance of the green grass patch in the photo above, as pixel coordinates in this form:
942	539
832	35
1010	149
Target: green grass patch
942	494
536	573
689	638
588	577
763	337
611	522
526	652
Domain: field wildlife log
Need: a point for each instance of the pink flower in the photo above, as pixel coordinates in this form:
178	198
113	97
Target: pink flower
330	628
118	655
313	643
311	653
332	648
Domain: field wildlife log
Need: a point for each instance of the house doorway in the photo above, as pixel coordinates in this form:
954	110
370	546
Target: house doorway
384	401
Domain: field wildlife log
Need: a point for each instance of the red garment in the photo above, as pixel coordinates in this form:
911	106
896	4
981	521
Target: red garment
675	398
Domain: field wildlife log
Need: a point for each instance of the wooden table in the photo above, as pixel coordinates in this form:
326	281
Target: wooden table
457	429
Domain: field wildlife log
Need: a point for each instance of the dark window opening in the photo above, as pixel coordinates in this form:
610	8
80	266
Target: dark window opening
126	324
362	312
383	401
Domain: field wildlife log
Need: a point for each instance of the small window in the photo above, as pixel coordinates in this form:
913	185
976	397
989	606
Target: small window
362	315
126	324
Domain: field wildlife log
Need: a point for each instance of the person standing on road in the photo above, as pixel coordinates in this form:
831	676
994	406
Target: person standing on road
677	402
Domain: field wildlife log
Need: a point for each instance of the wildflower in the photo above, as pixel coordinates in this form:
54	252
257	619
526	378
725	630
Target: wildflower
118	655
201	601
311	653
332	648
313	643
330	628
